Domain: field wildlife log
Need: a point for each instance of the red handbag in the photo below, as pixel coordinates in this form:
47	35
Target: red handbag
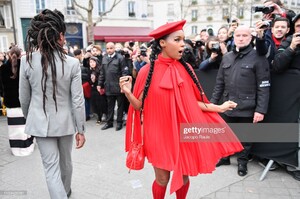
135	157
87	90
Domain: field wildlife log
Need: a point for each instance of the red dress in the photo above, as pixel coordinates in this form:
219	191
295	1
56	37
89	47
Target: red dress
172	99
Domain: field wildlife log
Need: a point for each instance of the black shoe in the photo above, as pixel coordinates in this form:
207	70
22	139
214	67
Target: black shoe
87	118
294	174
119	126
242	169
264	163
69	193
107	126
223	161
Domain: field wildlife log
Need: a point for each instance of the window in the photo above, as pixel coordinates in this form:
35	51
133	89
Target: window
298	2
2	22
40	5
5	16
240	13
209	12
71	12
101	6
293	2
225	1
3	44
150	10
194	30
170	9
194	2
194	15
131	12
70	4
225	13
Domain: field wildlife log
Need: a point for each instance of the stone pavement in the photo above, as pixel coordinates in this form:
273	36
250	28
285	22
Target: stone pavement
100	173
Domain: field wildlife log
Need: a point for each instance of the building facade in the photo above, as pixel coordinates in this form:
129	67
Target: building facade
126	14
128	20
204	14
7	33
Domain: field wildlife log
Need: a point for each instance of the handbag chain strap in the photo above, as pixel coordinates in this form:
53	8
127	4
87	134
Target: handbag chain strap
142	126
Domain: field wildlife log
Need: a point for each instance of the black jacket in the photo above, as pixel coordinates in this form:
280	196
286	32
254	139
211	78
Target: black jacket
244	78
286	58
111	71
10	86
266	46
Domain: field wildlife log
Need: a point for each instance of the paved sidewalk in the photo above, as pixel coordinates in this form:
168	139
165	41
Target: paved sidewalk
100	173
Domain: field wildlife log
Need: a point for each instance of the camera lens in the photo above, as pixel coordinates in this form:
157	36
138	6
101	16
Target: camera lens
266	24
268	9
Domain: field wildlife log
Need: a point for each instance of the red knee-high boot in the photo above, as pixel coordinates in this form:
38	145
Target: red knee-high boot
182	192
158	191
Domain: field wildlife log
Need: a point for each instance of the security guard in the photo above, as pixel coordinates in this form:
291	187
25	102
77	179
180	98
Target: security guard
244	78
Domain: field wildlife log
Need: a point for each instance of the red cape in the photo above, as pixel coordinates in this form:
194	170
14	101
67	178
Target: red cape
173	99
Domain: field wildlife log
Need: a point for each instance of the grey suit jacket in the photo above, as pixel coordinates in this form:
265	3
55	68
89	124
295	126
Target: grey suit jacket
70	115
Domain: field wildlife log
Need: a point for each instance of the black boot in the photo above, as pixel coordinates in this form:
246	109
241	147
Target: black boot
223	161
242	169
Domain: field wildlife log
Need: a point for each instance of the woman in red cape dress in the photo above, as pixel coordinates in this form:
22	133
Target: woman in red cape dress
169	94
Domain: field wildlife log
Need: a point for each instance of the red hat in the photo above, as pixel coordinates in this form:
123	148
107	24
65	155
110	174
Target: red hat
167	29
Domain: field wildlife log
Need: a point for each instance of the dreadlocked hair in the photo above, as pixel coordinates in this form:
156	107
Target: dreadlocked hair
156	49
43	34
193	76
14	55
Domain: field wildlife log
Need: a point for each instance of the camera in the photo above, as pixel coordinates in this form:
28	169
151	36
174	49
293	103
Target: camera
266	24
131	44
126	54
143	51
123	53
216	48
199	43
186	50
263	9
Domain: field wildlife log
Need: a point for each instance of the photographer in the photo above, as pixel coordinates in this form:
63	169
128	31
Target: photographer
223	36
288	55
199	51
126	53
287	62
268	40
188	53
215	51
140	60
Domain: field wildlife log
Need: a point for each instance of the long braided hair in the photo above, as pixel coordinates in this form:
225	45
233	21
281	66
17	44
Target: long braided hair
43	34
156	49
14	55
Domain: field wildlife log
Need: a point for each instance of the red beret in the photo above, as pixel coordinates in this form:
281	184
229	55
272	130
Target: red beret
166	29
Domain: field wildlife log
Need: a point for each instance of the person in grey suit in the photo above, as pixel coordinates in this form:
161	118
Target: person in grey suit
51	98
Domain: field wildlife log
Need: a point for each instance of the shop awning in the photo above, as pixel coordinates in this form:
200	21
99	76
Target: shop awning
121	34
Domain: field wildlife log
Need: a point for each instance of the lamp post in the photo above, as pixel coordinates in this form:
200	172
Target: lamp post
13	21
251	1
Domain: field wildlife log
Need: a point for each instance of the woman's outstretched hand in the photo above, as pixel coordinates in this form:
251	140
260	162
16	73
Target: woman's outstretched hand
227	106
125	83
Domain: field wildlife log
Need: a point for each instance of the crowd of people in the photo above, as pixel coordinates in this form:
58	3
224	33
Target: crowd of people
136	75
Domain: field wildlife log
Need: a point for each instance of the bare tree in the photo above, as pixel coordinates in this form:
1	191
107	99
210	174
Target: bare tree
89	20
184	8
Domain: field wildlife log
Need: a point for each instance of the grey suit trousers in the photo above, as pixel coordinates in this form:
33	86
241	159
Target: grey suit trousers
57	161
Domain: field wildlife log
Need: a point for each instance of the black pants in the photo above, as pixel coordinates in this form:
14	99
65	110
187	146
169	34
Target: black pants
111	101
243	156
99	104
